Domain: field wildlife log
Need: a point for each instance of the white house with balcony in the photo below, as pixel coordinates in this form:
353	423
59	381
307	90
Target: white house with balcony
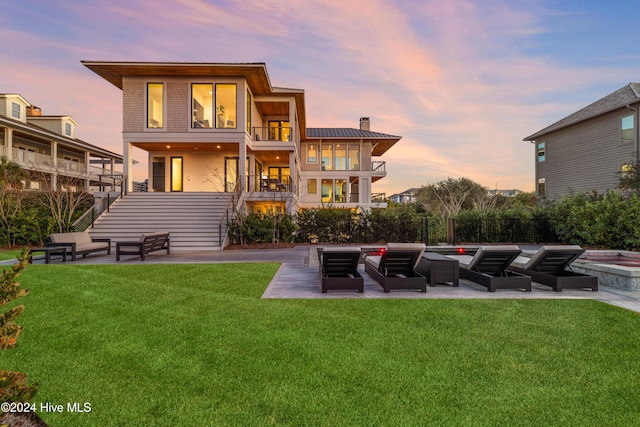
219	127
46	147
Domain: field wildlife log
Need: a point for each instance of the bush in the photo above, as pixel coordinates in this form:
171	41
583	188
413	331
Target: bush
257	227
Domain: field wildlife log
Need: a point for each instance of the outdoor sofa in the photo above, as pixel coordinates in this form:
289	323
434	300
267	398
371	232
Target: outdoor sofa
395	267
551	266
79	243
339	269
489	267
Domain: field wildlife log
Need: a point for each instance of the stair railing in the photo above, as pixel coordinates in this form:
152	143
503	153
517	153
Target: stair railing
101	205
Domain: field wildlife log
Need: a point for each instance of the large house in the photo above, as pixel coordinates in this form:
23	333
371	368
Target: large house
589	149
47	149
213	127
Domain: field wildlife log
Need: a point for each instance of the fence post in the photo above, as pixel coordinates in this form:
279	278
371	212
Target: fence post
93	216
220	235
108	202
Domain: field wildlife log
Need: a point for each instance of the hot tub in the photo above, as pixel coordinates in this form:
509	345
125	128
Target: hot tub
617	269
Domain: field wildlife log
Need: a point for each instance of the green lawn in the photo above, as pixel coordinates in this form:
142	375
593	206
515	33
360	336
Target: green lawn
194	345
9	253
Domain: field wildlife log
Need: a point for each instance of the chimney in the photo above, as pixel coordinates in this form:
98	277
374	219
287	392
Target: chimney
32	111
365	123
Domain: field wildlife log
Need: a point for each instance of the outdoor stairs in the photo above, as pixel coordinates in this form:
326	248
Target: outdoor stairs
192	219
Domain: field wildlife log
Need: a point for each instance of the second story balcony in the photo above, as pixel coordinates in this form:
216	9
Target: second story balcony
273	134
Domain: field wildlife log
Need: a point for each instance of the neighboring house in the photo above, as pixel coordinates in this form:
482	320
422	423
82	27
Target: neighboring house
46	147
506	193
588	150
406	197
211	127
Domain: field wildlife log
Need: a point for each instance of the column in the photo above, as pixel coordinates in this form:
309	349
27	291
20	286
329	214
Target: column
127	164
8	142
242	166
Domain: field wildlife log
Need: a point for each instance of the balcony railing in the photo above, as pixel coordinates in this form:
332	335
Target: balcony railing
68	165
281	134
272	184
31	158
378	197
378	166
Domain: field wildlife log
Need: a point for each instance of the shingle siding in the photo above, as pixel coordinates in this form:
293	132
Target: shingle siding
584	157
133	105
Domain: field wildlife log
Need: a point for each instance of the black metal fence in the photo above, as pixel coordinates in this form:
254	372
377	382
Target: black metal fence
501	230
430	230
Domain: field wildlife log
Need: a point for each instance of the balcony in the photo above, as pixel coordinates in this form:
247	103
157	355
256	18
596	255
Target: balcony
31	160
273	134
269	184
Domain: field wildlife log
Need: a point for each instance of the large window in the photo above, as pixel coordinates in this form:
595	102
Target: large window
312	153
340	157
155	105
226	106
202	106
248	112
354	157
67	129
627	129
312	186
542	151
327	157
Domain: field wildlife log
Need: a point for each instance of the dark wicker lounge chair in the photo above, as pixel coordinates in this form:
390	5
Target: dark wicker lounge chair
551	266
489	267
340	269
395	267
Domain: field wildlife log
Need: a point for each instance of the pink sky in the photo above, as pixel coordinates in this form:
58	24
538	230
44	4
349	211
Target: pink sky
462	81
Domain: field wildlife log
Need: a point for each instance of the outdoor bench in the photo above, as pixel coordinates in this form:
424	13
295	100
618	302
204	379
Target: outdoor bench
149	242
79	243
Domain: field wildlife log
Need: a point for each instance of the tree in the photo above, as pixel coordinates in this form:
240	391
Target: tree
11	194
13	386
450	196
65	200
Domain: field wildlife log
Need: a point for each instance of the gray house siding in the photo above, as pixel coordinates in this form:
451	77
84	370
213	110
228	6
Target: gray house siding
584	157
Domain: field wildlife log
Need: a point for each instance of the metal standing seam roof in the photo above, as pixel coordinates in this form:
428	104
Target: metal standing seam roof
347	133
626	95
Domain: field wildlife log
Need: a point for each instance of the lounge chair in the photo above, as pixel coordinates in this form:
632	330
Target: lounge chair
340	269
489	267
551	266
395	267
79	243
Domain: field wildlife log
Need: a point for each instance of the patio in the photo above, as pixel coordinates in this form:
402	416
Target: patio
298	277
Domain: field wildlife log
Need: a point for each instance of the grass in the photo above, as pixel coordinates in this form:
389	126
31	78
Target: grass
9	253
159	345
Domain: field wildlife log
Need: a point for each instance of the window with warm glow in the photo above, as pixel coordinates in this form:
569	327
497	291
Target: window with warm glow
327	157
341	157
312	186
248	112
226	106
354	157
202	103
312	153
155	105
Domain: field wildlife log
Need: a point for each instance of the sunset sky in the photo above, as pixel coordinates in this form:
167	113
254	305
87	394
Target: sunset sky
463	81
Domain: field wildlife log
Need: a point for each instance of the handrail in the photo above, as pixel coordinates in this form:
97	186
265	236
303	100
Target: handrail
102	205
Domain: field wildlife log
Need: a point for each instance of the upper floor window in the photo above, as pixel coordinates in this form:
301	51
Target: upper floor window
226	106
312	153
248	112
542	151
341	157
155	105
67	129
202	105
627	129
16	111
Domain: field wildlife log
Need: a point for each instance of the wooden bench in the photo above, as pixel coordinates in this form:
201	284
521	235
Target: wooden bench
149	242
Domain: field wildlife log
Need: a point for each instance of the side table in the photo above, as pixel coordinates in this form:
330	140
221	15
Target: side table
439	269
48	251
